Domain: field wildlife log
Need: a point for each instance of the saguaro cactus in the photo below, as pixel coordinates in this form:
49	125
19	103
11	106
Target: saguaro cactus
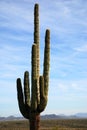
32	106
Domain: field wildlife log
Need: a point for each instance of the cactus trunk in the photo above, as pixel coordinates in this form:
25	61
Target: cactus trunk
32	106
35	121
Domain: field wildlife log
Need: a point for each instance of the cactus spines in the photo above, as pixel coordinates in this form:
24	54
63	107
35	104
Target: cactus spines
32	106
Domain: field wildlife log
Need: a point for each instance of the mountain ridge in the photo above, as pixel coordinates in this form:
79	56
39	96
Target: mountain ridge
48	116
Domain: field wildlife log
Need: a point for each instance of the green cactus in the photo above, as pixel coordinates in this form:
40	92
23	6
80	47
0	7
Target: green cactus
32	106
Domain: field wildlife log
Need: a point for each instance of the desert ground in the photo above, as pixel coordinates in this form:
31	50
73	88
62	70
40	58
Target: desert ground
59	124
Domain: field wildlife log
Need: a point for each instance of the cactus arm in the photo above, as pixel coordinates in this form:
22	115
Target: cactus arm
41	82
34	78
20	93
44	80
26	88
46	62
43	102
23	109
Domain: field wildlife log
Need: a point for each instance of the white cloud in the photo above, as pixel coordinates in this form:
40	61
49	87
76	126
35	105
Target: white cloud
69	86
83	48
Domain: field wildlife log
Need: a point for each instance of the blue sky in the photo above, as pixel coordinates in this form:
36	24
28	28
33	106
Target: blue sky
67	20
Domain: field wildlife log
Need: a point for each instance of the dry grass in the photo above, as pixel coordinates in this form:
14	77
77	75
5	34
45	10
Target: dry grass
60	124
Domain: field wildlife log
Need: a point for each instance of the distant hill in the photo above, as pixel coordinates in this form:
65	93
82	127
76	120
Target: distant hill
10	118
49	116
83	115
62	116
